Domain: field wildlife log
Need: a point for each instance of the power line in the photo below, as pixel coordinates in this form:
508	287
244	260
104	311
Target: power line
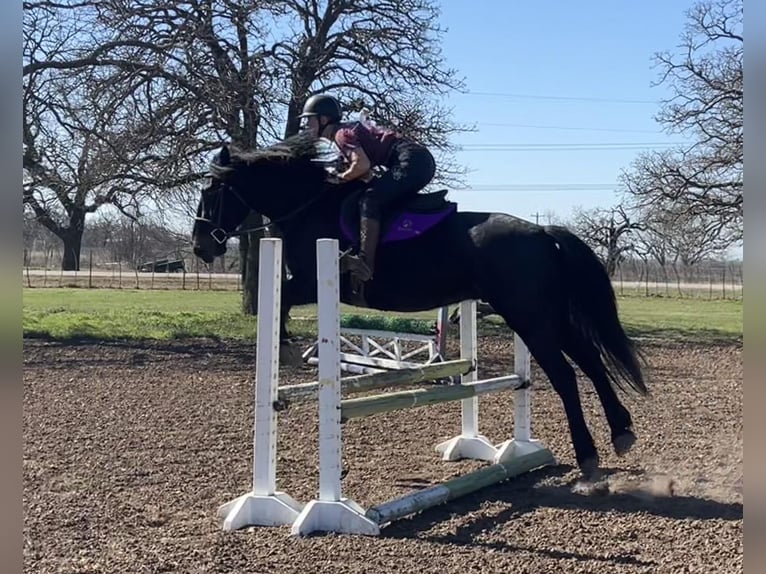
561	147
540	187
570	128
560	98
568	144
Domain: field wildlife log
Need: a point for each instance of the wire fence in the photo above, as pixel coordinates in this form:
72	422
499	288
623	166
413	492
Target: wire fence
119	275
713	280
708	279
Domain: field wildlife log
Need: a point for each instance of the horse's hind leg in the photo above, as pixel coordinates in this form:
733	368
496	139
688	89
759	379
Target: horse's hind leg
587	357
564	381
542	343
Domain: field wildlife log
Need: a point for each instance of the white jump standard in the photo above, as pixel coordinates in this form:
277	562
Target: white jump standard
264	505
331	511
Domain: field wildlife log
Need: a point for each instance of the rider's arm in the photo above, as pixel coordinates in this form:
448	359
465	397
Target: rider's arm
360	165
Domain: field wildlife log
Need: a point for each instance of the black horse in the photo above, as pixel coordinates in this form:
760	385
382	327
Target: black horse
549	286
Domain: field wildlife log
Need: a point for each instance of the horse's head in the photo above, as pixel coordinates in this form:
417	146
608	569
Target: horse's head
220	210
279	181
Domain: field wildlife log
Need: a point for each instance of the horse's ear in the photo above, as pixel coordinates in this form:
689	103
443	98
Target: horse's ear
224	157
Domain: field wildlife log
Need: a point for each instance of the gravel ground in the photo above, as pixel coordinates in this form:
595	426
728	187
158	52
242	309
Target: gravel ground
130	448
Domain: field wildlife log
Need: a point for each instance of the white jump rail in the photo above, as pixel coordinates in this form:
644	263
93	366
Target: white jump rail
380	350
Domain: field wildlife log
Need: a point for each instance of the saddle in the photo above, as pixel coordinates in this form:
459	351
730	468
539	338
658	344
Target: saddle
400	221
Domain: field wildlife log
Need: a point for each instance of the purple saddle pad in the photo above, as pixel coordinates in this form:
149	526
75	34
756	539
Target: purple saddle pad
408	221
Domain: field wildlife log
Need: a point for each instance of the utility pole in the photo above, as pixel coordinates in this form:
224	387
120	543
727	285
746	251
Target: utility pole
537	215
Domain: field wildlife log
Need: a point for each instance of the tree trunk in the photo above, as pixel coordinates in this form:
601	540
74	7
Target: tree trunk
72	239
249	248
611	262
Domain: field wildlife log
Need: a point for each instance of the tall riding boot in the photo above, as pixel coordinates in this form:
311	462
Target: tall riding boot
369	233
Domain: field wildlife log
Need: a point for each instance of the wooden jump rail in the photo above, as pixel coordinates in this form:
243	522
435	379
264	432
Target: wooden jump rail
382	342
373	381
366	406
456	487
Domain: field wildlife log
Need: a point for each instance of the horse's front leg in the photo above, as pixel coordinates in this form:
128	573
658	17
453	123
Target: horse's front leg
289	352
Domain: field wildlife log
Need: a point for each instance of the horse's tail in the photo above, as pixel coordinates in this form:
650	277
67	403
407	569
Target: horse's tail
593	311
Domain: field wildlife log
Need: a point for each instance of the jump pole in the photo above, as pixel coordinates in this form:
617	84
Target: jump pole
382	380
264	505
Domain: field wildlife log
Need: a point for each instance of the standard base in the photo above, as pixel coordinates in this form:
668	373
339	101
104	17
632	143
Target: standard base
277	509
471	447
344	516
514	449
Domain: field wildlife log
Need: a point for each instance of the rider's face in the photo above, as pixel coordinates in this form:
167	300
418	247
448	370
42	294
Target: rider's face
312	122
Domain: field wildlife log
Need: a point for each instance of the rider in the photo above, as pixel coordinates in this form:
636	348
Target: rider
410	167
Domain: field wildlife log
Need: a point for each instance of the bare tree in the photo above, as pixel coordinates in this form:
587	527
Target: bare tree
87	140
208	71
652	242
380	56
606	231
704	179
383	56
133	241
676	237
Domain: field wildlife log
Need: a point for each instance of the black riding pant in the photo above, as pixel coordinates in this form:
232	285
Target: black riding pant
410	168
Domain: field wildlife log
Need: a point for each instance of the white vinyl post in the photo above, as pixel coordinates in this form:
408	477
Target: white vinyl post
469	444
264	505
521	397
522	443
330	512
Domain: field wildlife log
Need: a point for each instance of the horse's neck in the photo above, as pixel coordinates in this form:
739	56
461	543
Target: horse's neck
301	232
314	223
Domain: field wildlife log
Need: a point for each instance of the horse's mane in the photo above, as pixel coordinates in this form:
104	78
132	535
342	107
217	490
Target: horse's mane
297	149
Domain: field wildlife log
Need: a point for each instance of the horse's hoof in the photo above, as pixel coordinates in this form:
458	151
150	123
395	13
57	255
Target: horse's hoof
592	482
623	442
590	470
355	265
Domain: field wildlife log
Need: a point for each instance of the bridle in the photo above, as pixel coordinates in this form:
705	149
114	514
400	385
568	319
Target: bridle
220	235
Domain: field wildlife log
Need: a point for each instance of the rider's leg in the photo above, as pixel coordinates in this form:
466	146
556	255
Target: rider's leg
411	169
369	232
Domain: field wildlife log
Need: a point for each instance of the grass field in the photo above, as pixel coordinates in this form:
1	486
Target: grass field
144	314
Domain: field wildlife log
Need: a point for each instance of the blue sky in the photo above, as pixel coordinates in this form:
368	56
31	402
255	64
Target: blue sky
585	65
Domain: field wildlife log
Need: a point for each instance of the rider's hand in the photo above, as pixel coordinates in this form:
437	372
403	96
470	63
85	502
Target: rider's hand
333	176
